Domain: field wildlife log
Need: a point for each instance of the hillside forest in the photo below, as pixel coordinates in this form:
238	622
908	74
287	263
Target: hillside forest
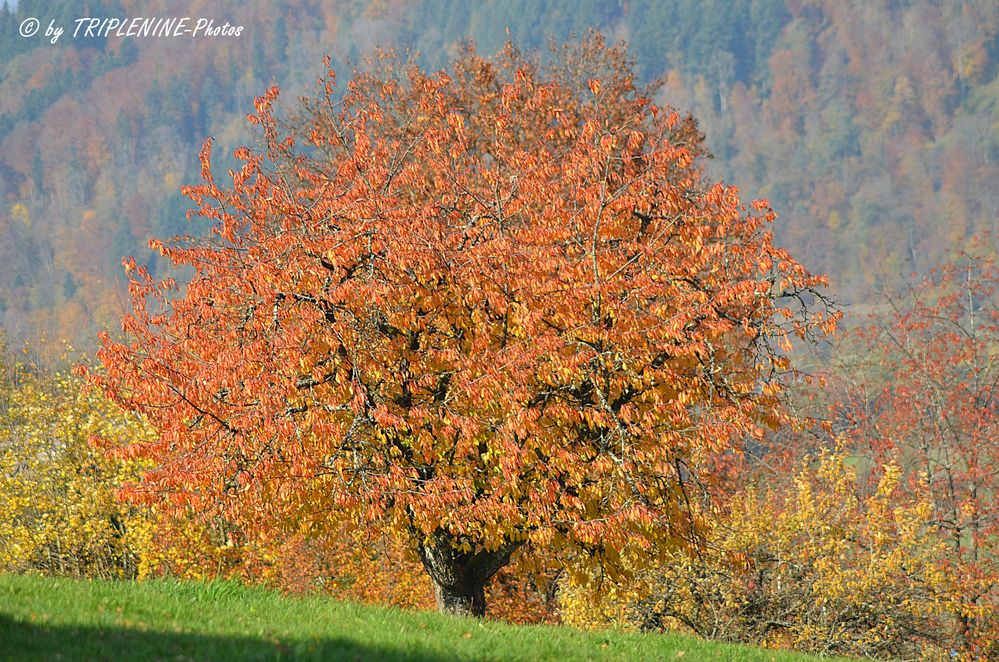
870	127
633	314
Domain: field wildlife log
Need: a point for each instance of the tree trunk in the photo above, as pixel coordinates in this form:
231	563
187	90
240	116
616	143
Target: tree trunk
466	599
460	578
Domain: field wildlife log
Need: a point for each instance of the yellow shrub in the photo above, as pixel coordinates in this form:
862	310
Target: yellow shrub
821	568
58	510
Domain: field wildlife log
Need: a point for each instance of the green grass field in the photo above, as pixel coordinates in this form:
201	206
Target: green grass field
58	619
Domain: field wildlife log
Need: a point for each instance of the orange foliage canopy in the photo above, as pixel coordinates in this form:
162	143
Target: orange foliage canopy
495	311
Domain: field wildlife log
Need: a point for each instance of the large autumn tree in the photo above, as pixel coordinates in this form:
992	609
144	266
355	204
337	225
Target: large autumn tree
495	310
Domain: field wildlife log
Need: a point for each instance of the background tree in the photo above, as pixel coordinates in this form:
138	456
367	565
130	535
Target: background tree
921	393
494	311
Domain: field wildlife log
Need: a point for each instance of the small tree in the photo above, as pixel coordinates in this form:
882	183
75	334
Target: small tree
494	311
923	395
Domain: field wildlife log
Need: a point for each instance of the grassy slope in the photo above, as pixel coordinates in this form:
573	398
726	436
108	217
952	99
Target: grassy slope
45	618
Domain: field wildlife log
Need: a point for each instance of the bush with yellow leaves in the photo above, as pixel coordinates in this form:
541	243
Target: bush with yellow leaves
819	567
58	508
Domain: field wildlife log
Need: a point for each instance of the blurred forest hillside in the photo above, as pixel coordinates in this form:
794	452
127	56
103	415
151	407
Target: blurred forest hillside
871	126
